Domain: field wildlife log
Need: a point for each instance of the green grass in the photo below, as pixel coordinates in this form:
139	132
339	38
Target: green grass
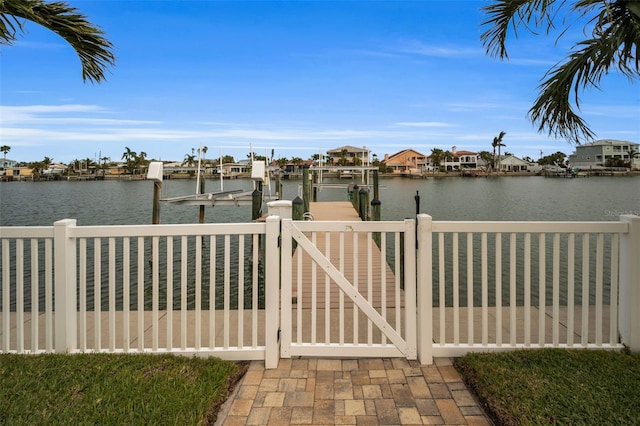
113	389
554	386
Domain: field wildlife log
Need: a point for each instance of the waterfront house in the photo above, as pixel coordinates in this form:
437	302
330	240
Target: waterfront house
234	169
19	173
6	163
604	153
349	156
511	163
55	169
405	161
461	160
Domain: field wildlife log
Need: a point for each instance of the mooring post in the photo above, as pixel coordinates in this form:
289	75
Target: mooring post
306	188
201	190
375	209
278	186
297	208
256	204
157	190
375	215
356	198
364	204
154	173
376	190
315	186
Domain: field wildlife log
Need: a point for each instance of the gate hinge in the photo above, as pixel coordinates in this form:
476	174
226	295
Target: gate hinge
278	335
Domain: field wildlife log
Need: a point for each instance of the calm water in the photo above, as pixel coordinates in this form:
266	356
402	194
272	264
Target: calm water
513	198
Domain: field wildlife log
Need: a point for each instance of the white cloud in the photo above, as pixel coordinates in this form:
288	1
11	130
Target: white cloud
415	47
429	124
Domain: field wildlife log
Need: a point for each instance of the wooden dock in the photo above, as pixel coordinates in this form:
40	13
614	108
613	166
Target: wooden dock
368	253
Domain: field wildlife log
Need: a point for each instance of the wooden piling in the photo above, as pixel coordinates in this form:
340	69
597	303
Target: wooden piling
201	190
356	198
297	208
364	204
256	204
157	190
306	188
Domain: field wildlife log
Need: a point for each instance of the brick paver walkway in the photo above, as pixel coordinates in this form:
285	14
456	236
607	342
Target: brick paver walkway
352	392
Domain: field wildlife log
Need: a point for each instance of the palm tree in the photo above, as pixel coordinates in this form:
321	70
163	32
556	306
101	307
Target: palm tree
94	51
497	143
343	157
141	160
437	155
487	158
633	153
130	159
4	149
189	160
105	161
447	156
615	37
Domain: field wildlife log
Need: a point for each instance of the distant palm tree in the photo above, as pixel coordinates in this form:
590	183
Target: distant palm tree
437	155
343	157
130	159
447	156
633	153
94	51
47	162
5	149
497	143
105	160
189	160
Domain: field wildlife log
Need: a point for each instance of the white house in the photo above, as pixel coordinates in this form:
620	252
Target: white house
511	163
461	160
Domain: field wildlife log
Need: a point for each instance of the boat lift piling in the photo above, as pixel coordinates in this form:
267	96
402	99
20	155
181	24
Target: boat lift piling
154	173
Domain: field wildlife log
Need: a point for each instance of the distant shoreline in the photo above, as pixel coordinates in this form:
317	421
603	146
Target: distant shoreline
298	176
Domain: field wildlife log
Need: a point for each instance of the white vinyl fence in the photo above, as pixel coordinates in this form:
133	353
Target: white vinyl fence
215	289
506	285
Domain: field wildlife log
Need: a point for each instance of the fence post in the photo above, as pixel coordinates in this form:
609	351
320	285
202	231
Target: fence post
272	293
629	320
410	289
64	249
425	289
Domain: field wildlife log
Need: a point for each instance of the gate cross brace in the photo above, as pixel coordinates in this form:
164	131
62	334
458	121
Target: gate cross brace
346	287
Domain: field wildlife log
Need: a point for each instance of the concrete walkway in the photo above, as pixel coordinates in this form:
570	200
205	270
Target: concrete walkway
352	392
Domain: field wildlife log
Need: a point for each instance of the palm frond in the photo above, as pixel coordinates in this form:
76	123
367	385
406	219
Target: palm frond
93	49
506	14
616	42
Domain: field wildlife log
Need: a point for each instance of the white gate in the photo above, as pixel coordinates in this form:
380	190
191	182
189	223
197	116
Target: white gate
344	296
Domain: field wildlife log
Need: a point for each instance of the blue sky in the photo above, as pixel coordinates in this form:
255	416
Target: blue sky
297	77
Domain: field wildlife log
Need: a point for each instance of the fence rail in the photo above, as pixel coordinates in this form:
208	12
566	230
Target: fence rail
214	289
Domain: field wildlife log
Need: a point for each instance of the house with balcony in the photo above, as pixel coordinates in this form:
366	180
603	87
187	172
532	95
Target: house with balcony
605	153
405	161
349	156
6	163
461	160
